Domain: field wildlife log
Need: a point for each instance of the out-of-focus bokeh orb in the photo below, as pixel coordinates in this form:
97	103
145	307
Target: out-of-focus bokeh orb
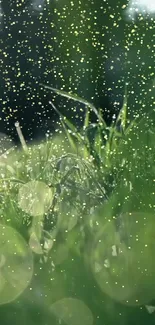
122	258
16	264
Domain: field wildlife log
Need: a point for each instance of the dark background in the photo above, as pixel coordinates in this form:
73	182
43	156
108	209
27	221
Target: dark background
88	48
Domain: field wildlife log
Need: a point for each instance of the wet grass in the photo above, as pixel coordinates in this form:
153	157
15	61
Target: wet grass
78	170
62	194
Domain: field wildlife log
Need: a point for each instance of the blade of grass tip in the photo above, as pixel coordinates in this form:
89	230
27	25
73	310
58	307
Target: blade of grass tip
77	99
21	137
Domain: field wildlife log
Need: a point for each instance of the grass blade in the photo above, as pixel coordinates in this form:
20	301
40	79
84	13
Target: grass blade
77	99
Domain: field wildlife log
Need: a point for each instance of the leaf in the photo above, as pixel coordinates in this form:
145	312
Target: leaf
35	198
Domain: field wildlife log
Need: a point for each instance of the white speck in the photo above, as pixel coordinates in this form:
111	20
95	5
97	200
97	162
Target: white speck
114	250
107	263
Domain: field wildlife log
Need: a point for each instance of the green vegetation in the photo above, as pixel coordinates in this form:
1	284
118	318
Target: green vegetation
76	217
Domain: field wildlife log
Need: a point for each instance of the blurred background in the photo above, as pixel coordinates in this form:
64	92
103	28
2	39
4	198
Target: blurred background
90	48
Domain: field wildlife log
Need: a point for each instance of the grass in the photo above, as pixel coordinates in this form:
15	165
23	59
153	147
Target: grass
63	195
76	169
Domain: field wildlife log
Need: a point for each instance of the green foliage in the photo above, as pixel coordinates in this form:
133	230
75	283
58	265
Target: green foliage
78	201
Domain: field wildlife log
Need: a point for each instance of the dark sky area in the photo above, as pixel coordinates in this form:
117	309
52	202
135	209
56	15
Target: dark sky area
83	47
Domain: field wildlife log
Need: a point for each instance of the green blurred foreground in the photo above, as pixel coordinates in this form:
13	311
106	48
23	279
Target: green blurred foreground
77	228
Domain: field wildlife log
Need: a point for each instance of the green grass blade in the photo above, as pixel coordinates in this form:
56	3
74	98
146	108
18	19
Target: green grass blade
122	116
77	99
86	120
65	122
